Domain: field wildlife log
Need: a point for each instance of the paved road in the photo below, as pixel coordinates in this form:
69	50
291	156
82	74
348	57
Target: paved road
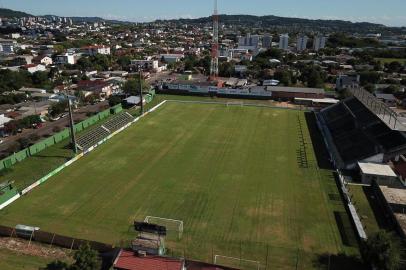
48	127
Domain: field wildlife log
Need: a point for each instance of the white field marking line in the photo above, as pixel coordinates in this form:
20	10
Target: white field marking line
236	259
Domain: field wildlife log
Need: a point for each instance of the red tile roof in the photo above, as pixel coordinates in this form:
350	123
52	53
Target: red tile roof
400	168
126	260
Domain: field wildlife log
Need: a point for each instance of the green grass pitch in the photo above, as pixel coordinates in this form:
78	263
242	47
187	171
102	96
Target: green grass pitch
230	173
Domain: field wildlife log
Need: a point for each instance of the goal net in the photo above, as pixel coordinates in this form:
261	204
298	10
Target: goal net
173	225
235	103
234	262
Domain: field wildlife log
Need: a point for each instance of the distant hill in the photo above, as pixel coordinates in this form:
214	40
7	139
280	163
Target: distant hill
297	24
8	13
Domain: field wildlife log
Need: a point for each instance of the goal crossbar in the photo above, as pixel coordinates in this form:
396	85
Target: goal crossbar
235	103
166	221
257	263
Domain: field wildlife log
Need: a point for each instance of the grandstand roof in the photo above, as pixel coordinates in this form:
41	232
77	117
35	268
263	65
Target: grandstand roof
358	133
380	109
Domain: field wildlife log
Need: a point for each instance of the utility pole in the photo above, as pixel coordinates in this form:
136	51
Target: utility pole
214	66
142	99
72	127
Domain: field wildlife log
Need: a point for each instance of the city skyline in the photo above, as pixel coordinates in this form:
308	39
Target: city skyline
388	13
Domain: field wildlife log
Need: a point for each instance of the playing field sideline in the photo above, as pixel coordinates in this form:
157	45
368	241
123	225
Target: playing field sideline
230	173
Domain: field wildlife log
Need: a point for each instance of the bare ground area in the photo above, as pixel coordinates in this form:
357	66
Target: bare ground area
34	249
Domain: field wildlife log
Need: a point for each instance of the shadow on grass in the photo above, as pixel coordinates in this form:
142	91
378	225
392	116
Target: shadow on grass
379	214
339	262
67	158
322	155
345	228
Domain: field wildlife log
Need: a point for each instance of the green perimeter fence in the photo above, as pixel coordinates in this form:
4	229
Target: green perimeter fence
40	146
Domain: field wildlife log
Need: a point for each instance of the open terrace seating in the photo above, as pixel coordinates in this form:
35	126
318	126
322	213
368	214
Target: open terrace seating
97	134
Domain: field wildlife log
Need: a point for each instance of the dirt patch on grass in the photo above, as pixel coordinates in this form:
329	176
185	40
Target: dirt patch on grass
34	249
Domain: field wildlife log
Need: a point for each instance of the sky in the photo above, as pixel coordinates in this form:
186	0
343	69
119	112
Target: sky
388	12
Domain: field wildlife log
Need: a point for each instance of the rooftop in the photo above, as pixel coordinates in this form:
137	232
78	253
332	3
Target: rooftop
396	198
376	169
295	89
127	260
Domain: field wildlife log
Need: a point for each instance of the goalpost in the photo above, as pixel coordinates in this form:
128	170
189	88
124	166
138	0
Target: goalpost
236	262
170	224
235	103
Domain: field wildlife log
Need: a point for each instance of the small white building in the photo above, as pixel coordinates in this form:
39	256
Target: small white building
381	173
34	68
146	64
97	49
43	59
4	120
15	35
172	58
65	59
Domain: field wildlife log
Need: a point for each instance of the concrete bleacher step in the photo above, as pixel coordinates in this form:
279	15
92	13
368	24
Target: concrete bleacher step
97	134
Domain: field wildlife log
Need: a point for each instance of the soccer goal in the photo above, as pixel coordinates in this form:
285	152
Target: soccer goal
170	224
235	103
236	262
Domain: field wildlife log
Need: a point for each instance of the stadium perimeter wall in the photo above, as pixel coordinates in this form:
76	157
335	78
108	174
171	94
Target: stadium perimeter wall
56	240
70	162
42	145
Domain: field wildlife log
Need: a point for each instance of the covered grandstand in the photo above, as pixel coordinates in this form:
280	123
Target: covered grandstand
354	132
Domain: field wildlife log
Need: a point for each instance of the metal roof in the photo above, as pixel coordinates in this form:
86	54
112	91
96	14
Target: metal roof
295	89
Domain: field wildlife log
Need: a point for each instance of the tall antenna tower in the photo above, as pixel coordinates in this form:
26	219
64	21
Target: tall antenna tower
214	67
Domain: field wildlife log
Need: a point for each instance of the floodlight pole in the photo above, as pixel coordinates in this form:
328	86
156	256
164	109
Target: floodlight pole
142	99
72	128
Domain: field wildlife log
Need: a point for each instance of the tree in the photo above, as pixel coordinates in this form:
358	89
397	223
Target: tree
24	142
370	88
39	78
380	251
226	69
190	62
56	265
367	77
394	66
86	259
314	79
132	86
58	108
114	100
284	77
13	148
391	89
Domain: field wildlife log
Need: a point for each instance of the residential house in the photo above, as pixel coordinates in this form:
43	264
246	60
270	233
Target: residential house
96	49
43	59
32	68
389	99
98	88
64	59
347	81
172	58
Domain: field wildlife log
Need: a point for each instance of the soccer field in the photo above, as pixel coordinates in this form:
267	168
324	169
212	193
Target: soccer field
232	174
